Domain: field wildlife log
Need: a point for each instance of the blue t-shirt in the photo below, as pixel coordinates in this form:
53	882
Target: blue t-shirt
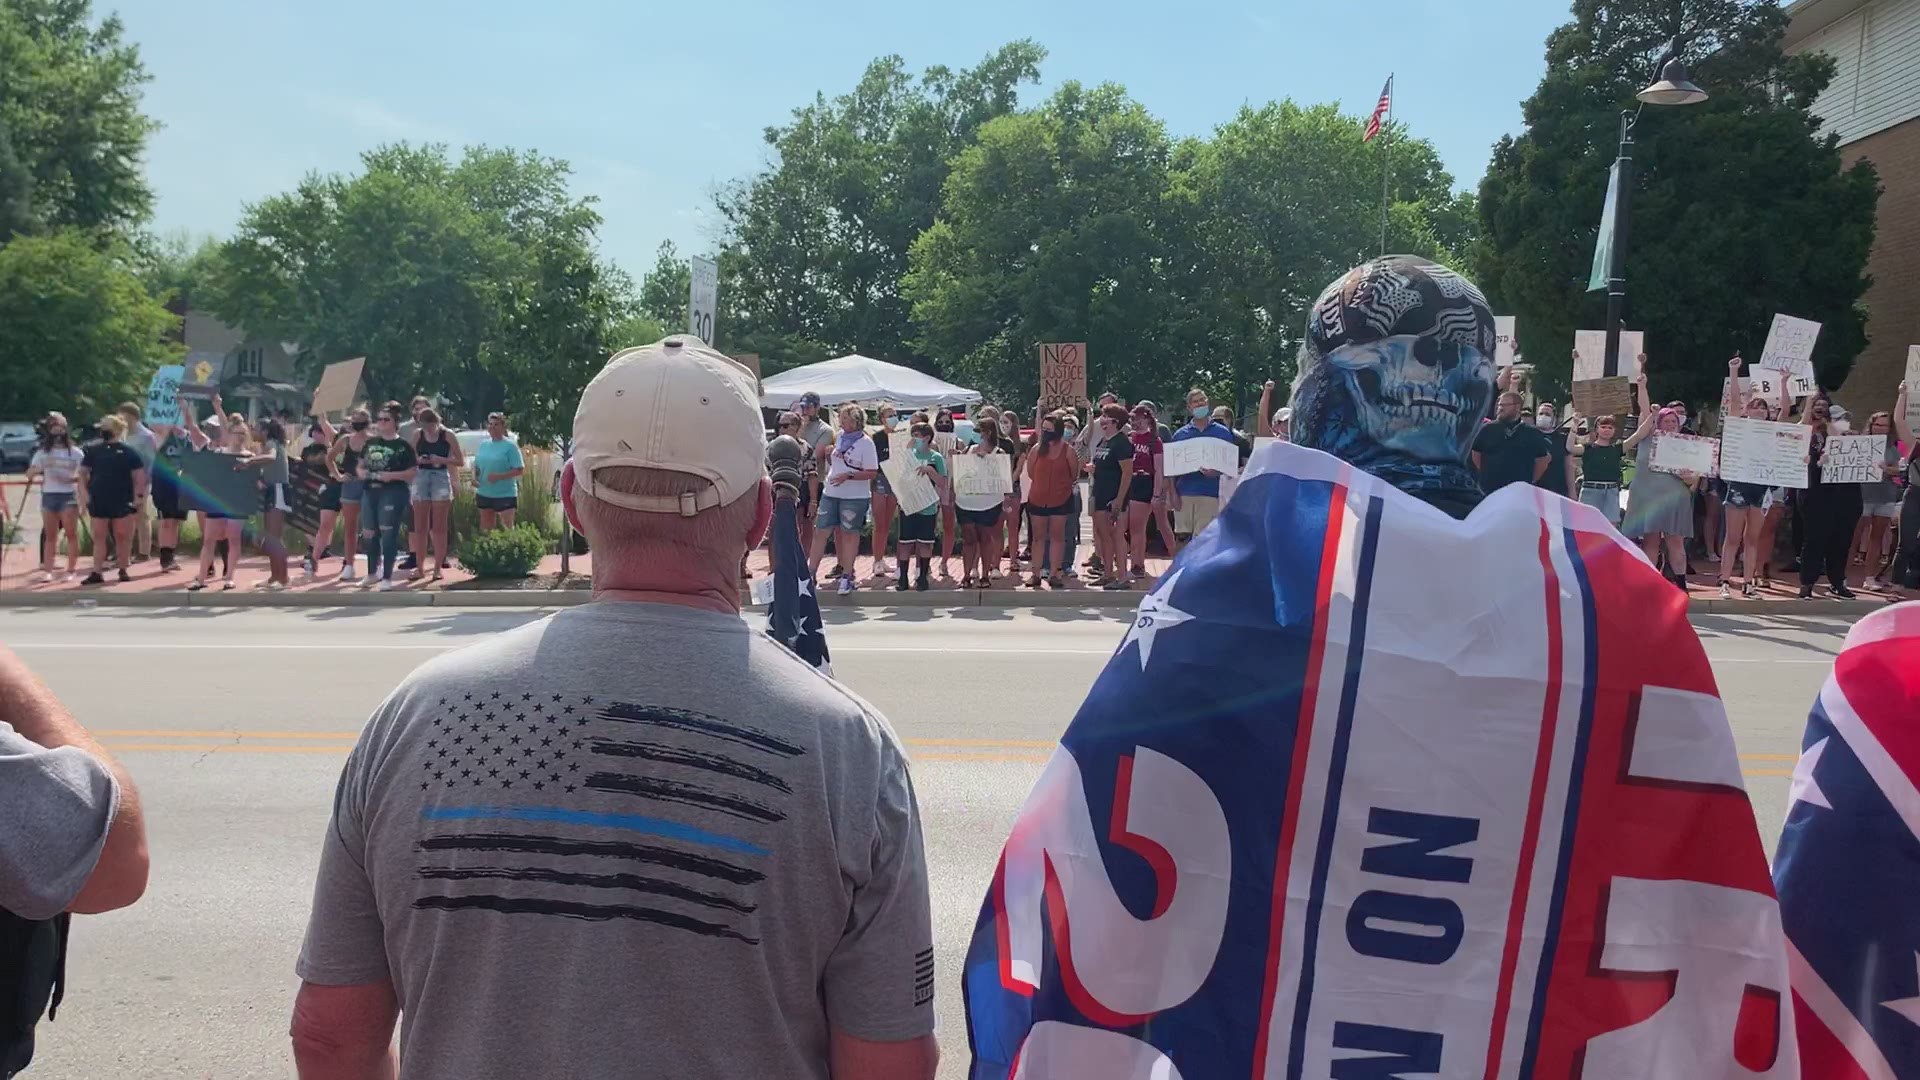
1194	483
496	455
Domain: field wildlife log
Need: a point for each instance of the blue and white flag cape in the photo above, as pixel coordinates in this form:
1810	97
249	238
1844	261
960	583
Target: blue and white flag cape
1369	792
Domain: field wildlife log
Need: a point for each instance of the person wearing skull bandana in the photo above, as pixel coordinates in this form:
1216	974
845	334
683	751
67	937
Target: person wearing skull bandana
1396	373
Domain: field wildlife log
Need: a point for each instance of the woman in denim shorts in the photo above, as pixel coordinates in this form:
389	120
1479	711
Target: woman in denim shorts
435	450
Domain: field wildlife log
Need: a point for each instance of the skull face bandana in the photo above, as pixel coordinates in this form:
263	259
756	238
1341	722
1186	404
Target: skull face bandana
1396	374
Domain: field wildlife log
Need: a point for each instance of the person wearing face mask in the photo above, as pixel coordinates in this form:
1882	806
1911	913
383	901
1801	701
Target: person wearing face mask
1746	504
344	458
1147	490
1559	475
1880	504
1070	434
917	530
1827	511
1510	449
1660	507
1196	495
979	515
1112	484
56	464
1014	505
1052	470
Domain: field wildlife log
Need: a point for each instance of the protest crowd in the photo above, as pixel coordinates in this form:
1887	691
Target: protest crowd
796	939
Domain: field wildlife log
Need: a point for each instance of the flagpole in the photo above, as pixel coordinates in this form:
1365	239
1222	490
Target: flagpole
1386	163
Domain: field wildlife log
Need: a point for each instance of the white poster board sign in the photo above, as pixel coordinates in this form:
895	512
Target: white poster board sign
1590	352
1798	384
1764	452
1758	383
703	298
1790	345
982	474
1675	453
1913	387
1853	459
761	591
1505	350
911	487
1205	452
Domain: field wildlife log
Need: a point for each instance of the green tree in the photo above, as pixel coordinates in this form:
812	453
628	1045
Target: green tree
1740	208
82	334
472	280
177	267
70	104
16	191
664	289
1053	229
816	247
1282	200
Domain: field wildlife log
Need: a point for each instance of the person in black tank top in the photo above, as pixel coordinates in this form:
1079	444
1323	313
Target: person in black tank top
345	458
435	449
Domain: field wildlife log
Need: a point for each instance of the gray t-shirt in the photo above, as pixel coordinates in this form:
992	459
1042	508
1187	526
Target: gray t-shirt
629	839
56	806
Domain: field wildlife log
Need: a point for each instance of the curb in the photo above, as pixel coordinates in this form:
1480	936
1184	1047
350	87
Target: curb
865	598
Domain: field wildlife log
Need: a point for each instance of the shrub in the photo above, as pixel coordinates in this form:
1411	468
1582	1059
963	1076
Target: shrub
503	553
537	504
463	519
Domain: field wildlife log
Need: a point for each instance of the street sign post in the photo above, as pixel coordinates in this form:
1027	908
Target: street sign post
703	296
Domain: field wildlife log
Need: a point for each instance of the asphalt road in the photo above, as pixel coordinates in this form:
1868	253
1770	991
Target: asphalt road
235	721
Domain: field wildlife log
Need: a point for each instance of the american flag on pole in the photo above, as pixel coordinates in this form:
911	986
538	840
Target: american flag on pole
793	619
1380	110
1368	792
1848	865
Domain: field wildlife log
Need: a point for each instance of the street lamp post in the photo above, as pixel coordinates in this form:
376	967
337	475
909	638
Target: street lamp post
1674	87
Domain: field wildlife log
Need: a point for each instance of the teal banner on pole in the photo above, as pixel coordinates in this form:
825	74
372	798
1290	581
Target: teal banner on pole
1603	247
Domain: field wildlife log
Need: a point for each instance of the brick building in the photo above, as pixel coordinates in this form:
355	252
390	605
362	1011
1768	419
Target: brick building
1874	106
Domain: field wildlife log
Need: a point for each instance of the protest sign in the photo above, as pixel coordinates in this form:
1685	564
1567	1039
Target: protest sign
750	361
163	397
1764	452
914	491
1676	453
762	591
305	484
338	383
982	474
1790	345
209	482
1603	397
1505	349
1590	353
703	296
201	375
1192	455
1063	374
1913	387
1853	459
1758	383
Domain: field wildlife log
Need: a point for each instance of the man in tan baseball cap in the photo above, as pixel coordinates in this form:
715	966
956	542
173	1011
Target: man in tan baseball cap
640	827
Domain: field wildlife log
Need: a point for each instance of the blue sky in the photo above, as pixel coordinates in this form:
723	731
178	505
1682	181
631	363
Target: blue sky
656	105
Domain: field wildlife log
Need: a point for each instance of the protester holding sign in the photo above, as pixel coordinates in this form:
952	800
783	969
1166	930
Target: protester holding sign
56	464
917	529
1745	502
851	466
1660	511
223	524
1828	512
276	499
1196	495
979	515
1879	502
1600	459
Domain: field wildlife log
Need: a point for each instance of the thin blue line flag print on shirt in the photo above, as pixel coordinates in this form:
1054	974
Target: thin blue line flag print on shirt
1369	792
1848	865
793	619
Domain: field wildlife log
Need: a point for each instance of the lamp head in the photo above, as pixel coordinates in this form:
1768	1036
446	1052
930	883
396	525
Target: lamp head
1675	87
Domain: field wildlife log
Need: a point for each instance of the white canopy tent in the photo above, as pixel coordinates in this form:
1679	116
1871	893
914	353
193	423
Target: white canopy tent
863	379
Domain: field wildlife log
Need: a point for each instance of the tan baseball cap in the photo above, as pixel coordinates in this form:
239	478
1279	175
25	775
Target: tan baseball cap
676	405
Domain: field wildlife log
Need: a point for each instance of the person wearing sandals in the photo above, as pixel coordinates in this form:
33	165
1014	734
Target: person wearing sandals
56	464
435	450
979	517
1052	470
344	458
1745	503
1112	483
917	530
1147	491
224	524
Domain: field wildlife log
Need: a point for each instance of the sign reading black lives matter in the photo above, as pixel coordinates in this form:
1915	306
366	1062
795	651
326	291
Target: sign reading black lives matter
1063	374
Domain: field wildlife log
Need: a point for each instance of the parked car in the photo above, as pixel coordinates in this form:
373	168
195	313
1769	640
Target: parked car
17	440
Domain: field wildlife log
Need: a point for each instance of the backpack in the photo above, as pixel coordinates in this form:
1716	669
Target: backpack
33	970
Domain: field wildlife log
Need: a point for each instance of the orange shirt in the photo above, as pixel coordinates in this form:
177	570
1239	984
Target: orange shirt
1052	475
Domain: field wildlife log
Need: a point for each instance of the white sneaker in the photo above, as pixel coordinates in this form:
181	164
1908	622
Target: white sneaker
348	575
1726	591
388	585
309	575
273	586
369	581
41	577
846	585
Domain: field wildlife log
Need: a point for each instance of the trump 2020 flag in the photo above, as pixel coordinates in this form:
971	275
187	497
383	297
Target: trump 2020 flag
1368	792
793	619
1848	865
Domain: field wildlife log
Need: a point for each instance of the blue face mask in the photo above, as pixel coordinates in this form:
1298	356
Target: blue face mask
1202	414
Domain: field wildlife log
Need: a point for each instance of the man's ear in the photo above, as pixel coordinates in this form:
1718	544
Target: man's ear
762	515
566	498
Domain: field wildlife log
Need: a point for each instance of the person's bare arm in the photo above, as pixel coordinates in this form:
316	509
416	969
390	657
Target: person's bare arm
1646	408
1540	466
1475	455
850	1058
345	1032
1731	396
457	459
1263	426
120	875
1900	426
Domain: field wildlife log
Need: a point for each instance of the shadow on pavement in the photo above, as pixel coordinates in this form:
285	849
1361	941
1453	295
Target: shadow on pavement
1775	630
473	622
